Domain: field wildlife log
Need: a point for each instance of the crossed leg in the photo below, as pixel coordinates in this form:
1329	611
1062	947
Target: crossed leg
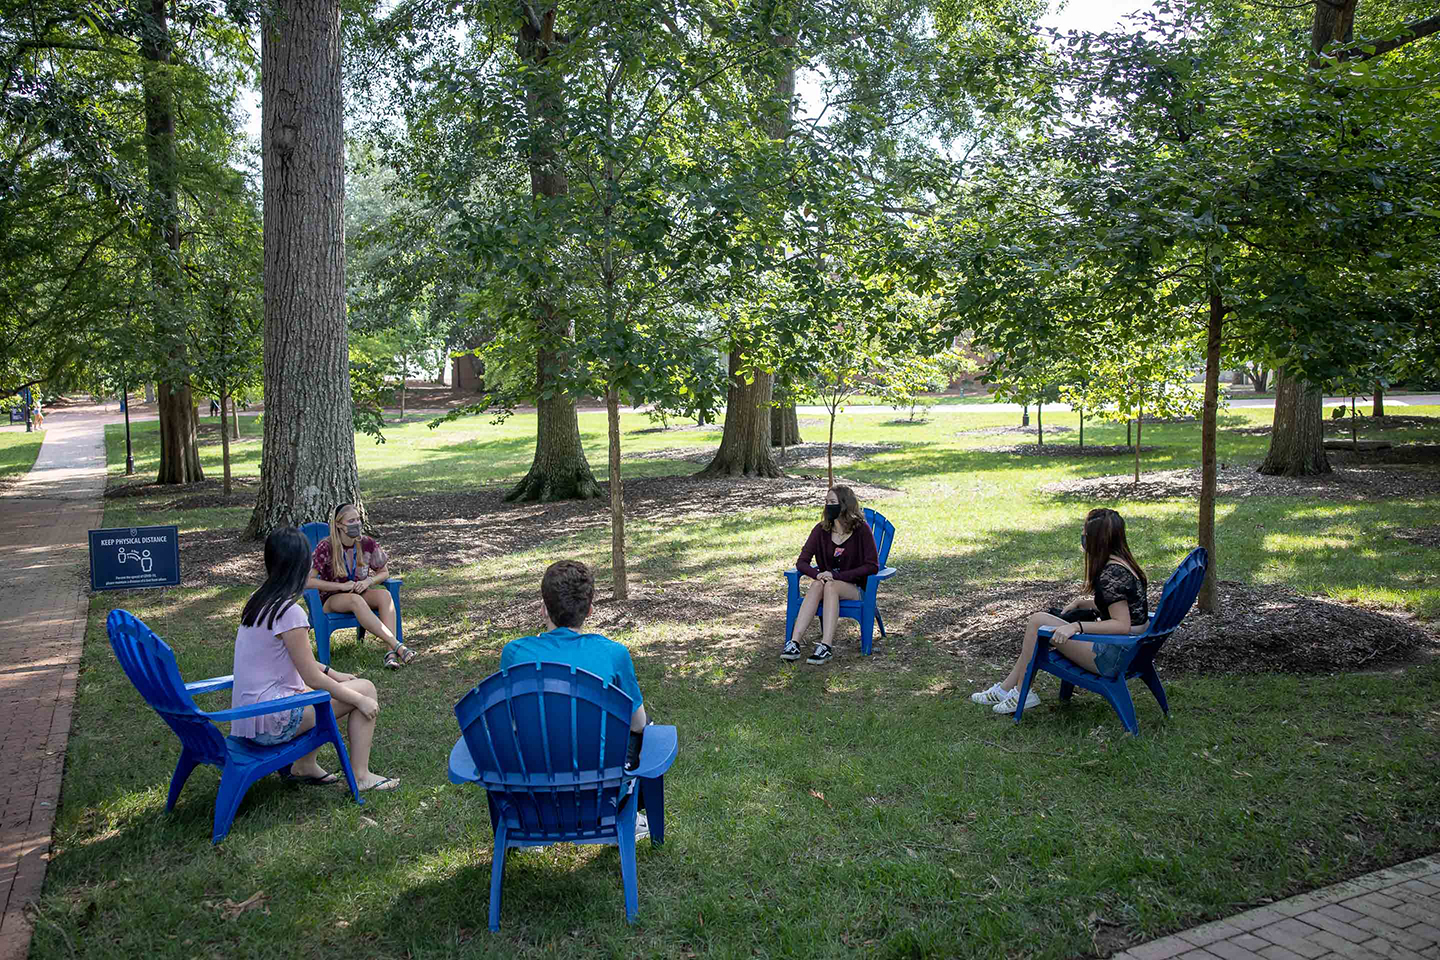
374	609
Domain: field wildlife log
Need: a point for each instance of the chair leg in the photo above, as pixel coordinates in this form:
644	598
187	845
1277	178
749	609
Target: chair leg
652	801
359	636
1119	696
1029	678
1152	680
792	608
233	785
867	634
625	827
322	642
394	589
880	621
183	769
497	873
325	720
1067	689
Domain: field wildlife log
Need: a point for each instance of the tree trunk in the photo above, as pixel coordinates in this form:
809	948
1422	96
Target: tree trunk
224	440
404	366
1082	428
1379	410
1129	435
179	441
1139	430
784	426
149	393
1297	439
1332	22
830	450
1209	599
617	499
1354	438
559	470
745	442
1040	424
234	419
307	462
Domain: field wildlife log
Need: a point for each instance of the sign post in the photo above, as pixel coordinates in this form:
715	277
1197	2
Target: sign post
125	405
26	398
134	558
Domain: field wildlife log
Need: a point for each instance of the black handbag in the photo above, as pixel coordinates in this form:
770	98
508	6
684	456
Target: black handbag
1082	615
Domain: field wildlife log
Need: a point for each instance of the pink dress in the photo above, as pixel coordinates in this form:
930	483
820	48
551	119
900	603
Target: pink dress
264	671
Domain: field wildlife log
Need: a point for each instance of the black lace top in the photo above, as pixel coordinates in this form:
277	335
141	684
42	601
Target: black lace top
1116	582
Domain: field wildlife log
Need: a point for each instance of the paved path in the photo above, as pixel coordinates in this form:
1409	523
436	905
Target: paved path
43	520
1391	914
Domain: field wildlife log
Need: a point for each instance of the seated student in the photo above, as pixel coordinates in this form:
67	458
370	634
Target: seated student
347	570
273	660
568	590
1119	587
844	548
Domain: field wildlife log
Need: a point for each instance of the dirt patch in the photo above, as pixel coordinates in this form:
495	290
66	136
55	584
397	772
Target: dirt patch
195	496
1416	453
800	456
1341	427
452	529
1357	483
1419	536
1001	431
1073	450
1256	629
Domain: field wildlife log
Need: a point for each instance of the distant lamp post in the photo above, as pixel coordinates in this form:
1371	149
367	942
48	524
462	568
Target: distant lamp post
125	405
1025	417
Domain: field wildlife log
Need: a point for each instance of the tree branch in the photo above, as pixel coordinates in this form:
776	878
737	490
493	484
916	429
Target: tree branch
1415	30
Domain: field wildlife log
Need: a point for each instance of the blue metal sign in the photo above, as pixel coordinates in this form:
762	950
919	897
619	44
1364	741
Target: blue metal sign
131	558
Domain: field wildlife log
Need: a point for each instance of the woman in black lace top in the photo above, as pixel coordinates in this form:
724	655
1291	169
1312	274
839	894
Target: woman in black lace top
1119	587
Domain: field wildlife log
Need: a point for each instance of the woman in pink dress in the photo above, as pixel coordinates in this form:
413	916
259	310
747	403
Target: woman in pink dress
273	659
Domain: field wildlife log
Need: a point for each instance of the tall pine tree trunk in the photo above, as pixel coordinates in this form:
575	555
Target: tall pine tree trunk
179	443
784	426
745	443
559	470
1297	439
307	464
1209	599
1379	408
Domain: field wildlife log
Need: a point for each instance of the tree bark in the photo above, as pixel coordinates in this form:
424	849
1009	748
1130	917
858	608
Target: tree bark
307	462
1208	598
830	451
1333	21
1139	429
149	393
559	470
1040	424
224	440
745	442
1379	408
784	426
234	419
1297	439
1082	429
617	499
179	439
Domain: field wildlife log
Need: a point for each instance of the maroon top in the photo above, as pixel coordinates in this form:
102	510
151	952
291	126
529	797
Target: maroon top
851	561
357	563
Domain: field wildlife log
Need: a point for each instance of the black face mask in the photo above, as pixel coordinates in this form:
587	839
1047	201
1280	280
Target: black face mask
832	511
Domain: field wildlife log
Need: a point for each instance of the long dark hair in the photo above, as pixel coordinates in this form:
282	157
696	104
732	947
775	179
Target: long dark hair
287	566
1105	539
849	509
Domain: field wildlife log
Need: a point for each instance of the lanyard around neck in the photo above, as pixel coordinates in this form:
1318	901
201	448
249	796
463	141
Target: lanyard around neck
352	559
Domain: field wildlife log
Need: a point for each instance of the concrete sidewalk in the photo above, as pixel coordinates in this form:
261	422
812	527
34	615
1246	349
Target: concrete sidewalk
1392	913
44	518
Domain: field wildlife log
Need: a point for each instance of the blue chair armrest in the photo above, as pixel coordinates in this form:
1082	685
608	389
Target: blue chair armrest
396	581
462	765
1128	639
885	574
657	751
792	574
308	699
211	685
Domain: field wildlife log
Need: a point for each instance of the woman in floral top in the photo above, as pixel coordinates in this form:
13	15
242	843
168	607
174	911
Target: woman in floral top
347	569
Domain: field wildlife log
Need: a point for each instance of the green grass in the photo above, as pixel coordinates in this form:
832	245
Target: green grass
18	451
866	808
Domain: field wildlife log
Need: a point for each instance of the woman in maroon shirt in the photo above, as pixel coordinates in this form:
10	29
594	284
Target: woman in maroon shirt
843	550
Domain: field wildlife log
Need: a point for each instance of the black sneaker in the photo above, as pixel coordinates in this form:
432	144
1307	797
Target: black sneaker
822	654
791	651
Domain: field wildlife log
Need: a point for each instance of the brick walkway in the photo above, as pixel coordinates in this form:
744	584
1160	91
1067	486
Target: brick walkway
1392	914
43	520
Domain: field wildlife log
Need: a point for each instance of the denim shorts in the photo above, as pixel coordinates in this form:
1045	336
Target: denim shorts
1109	657
287	732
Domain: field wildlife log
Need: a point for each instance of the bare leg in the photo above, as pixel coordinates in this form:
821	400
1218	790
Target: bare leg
1027	649
358	608
835	591
360	731
383	604
807	610
308	765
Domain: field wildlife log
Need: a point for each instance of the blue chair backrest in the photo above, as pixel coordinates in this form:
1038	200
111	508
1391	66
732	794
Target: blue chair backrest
551	739
1176	599
315	531
883	531
150	664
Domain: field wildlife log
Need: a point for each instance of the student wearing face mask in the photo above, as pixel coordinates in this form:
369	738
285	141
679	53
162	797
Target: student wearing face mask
347	569
843	553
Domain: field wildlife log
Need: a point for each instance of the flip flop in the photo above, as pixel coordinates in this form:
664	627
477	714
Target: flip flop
325	781
386	783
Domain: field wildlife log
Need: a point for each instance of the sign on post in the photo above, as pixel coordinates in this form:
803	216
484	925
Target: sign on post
17	414
132	558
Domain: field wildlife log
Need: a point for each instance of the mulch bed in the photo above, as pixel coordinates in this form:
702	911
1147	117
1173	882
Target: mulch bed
1352	483
1419	536
1341	427
1258	628
1072	450
1000	431
800	456
439	530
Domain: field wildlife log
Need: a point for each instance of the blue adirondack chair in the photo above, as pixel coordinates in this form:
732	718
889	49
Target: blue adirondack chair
547	742
327	623
862	611
150	664
1175	602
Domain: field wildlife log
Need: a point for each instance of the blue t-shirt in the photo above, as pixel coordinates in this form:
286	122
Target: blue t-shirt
605	658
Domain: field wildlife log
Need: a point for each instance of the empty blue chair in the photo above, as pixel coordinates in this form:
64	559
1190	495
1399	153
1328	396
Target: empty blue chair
150	664
1175	602
327	623
862	611
547	742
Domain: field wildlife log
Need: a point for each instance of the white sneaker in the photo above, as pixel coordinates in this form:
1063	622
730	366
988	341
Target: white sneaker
642	830
995	694
1012	702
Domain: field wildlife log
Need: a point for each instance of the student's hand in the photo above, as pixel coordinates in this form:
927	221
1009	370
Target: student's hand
825	575
362	585
1066	631
368	708
349	586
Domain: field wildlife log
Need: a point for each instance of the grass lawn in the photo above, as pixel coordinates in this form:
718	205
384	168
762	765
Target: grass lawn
18	451
863	808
